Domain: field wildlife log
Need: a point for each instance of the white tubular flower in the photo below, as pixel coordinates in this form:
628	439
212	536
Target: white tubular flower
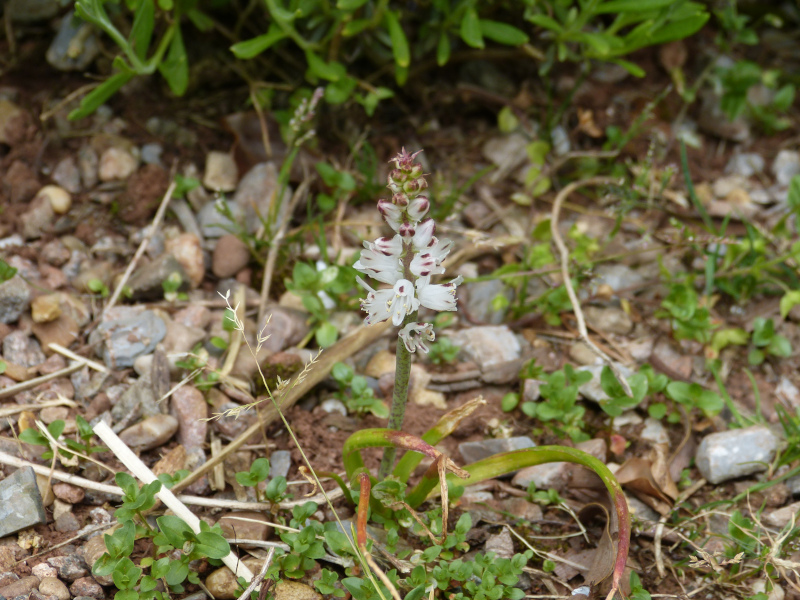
395	303
391	213
414	335
423	235
418	208
381	259
438	296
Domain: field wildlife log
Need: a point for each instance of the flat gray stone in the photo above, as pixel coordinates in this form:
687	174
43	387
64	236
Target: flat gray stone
280	461
73	33
479	298
495	349
15	297
128	338
730	454
147	281
475	451
20	502
214	224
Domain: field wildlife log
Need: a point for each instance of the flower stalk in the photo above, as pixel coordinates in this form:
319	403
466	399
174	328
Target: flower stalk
406	262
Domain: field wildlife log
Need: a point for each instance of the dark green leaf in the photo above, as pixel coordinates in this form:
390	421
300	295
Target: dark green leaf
400	50
94	99
503	33
443	50
175	66
252	48
326	335
142	29
471	29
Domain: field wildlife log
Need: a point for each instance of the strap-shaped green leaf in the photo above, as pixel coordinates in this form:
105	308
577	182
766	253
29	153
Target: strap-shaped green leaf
142	29
252	48
400	50
471	29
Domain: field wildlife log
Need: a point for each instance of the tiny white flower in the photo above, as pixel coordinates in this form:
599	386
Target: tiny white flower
391	213
414	335
381	259
395	303
438	296
418	208
423	234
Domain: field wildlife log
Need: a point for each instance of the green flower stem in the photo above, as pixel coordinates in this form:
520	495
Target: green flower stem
402	373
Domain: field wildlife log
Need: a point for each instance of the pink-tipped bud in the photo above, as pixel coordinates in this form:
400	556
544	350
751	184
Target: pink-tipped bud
391	213
400	199
397	176
415	171
406	230
418	208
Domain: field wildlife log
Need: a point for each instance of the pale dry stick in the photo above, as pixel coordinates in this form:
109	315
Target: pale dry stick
549	555
162	208
272	256
7	411
659	533
382	576
69	98
262	123
245	595
59	349
145	475
236	336
88	484
344	348
564	252
32	383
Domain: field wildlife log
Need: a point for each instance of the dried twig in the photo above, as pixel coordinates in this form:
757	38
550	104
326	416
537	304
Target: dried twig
59	349
260	577
275	245
573	297
162	208
32	383
7	411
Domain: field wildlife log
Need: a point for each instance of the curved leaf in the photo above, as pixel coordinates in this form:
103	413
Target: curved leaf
503	33
252	48
471	29
400	50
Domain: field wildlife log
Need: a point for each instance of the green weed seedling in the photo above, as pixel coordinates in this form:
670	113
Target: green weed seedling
172	534
360	399
618	401
275	490
82	444
766	342
321	290
443	352
341	184
559	402
96	286
689	319
171	286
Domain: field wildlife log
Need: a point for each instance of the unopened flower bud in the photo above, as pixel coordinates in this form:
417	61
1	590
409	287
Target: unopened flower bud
397	176
415	171
418	208
406	230
391	213
400	199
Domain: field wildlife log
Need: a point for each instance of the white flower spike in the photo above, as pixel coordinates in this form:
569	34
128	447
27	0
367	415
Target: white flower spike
407	260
